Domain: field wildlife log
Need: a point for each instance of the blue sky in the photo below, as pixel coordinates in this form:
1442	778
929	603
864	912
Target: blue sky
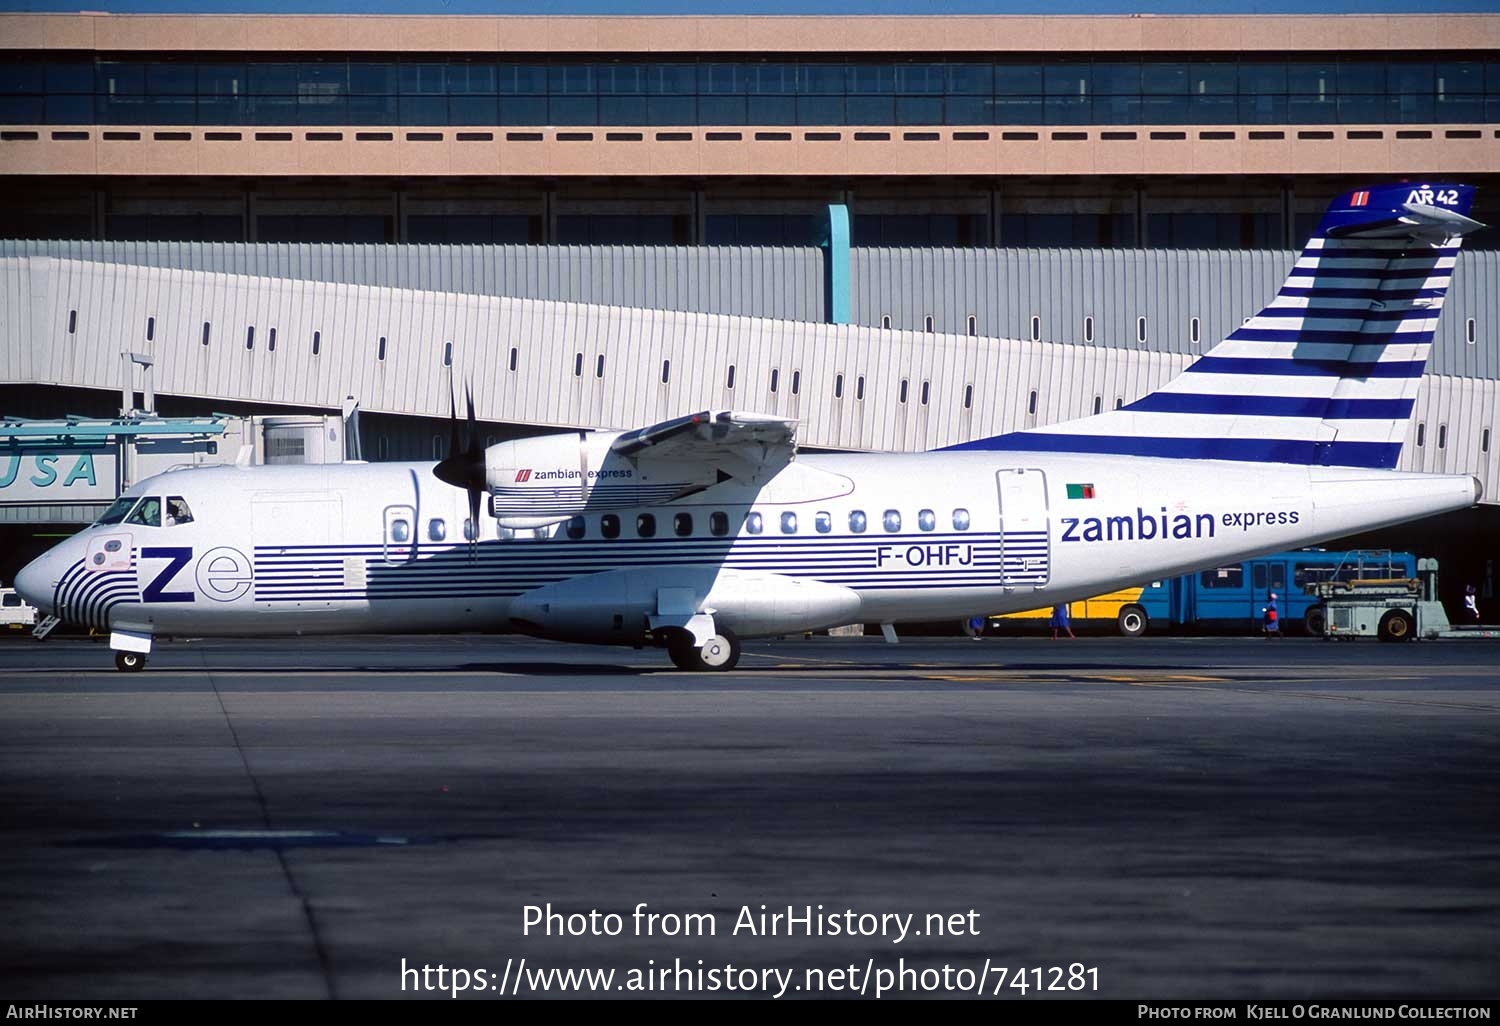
753	6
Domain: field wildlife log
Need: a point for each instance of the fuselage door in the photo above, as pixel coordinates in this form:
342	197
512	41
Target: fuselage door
400	534
1025	528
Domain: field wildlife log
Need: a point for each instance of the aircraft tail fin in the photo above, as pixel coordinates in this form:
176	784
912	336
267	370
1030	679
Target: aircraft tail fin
1327	374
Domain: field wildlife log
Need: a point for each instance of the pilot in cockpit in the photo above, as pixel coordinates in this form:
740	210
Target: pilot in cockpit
147	514
177	511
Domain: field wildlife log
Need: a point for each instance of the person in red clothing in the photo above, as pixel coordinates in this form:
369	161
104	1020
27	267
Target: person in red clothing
1272	621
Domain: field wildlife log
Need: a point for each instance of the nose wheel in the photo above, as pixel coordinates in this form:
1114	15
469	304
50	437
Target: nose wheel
130	662
720	652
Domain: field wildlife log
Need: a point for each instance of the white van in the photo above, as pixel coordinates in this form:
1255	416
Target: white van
14	612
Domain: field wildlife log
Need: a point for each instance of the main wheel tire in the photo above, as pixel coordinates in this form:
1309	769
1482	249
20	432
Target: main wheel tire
130	662
682	653
720	652
1315	620
1396	626
1133	621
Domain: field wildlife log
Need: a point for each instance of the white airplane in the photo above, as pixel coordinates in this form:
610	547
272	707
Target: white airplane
704	530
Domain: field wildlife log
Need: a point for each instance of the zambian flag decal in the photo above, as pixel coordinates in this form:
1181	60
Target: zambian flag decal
1080	491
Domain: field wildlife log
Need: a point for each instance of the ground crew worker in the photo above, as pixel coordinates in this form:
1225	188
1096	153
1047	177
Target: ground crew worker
1061	620
1272	621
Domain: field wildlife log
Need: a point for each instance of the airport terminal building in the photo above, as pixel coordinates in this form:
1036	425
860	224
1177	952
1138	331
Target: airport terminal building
905	231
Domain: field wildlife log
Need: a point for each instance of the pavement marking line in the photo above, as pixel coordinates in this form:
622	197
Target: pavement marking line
1240	690
801	659
309	916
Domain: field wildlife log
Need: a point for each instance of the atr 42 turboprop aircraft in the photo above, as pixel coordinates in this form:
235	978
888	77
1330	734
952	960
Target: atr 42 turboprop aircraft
710	528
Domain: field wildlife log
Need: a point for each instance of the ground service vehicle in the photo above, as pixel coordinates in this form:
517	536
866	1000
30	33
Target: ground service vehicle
14	611
1230	597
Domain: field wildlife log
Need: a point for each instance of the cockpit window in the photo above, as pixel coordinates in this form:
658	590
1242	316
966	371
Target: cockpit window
178	512
118	509
148	513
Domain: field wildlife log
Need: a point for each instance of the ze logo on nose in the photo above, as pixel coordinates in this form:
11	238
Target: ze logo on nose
222	574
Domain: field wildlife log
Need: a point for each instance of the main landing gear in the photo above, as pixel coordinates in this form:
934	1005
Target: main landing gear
130	662
720	652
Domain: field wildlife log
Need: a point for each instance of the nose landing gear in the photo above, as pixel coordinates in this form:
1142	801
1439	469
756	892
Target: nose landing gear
131	649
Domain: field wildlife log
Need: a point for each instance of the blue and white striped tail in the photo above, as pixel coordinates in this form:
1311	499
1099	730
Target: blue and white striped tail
1325	375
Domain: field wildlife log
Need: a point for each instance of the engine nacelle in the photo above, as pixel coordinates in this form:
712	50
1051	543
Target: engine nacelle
620	606
547	479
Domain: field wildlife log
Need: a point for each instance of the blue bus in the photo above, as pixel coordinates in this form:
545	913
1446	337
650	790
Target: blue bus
1232	596
1229	597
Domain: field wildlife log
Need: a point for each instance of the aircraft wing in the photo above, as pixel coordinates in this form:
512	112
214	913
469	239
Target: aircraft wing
737	444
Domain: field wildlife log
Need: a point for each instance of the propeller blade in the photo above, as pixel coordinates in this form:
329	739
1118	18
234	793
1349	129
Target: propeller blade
452	420
464	465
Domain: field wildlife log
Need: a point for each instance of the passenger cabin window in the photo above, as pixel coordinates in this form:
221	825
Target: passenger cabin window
718	524
960	520
1223	577
609	525
682	524
576	528
118	509
927	520
148	513
858	521
469	532
400	531
788	523
754	524
177	511
645	525
437	530
892	520
823	522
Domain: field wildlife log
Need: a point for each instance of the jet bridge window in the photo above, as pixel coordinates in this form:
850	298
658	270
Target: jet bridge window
682	524
892	520
788	522
609	525
645	525
960	520
118	509
576	528
858	521
718	523
148	513
178	511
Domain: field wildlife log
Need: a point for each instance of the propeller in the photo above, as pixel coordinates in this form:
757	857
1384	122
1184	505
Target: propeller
464	466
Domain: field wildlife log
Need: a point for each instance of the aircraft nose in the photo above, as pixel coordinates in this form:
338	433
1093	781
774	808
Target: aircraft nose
35	583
